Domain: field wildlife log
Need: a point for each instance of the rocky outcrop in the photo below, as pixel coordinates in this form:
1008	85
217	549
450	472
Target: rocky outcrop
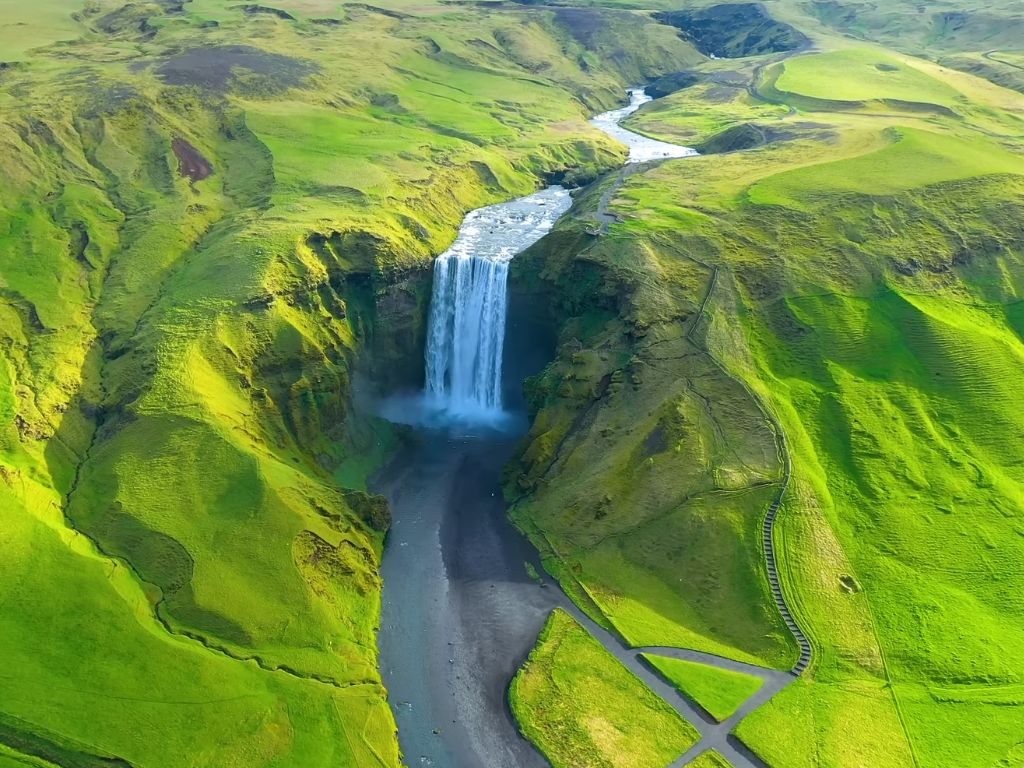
734	30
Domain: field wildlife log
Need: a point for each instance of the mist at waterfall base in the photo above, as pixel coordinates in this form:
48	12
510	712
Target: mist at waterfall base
466	352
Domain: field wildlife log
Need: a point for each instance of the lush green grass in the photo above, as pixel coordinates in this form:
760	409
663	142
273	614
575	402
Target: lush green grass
913	159
898	415
720	692
943	26
863	75
664	464
582	708
710	759
25	27
87	658
188	582
190	578
868	293
816	724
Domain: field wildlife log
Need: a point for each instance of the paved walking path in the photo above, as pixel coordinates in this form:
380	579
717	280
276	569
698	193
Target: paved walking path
713	735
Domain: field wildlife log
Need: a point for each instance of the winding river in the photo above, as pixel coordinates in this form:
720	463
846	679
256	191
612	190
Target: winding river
460	612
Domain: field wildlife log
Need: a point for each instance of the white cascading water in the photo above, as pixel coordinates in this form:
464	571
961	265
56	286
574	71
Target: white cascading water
641	148
422	609
467	331
469	305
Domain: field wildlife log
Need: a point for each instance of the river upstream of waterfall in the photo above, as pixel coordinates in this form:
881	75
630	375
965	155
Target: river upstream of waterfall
460	612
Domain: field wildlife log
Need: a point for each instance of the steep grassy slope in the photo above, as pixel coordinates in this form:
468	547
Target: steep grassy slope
865	265
647	467
210	216
581	707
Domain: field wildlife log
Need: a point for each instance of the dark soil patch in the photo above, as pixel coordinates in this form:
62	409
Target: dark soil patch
382	11
721	94
737	137
656	442
582	23
215	67
734	30
103	98
254	10
130	19
191	164
670	83
751	135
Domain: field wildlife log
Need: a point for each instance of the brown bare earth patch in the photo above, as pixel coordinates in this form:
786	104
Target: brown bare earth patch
191	164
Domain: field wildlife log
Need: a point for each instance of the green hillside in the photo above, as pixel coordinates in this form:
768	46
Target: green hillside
210	218
862	267
720	692
216	225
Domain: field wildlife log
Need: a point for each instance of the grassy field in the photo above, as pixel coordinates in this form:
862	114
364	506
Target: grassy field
710	759
212	217
583	709
863	75
26	27
720	692
869	273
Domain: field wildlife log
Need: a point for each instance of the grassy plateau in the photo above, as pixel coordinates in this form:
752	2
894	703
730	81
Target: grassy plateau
583	709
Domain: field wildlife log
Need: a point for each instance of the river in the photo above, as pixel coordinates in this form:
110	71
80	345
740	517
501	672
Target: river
460	611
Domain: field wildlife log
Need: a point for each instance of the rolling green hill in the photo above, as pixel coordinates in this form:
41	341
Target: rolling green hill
211	218
858	270
216	218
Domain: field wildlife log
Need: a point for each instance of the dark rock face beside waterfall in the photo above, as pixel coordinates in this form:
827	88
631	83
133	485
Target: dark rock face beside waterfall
390	313
733	30
398	332
387	306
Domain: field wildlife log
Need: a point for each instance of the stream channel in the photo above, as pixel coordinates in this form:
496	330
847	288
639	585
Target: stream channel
460	612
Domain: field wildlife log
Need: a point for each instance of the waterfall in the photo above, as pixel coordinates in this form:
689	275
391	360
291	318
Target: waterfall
467	332
469	304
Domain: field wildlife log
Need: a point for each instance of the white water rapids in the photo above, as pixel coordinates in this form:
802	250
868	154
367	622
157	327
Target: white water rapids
641	148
